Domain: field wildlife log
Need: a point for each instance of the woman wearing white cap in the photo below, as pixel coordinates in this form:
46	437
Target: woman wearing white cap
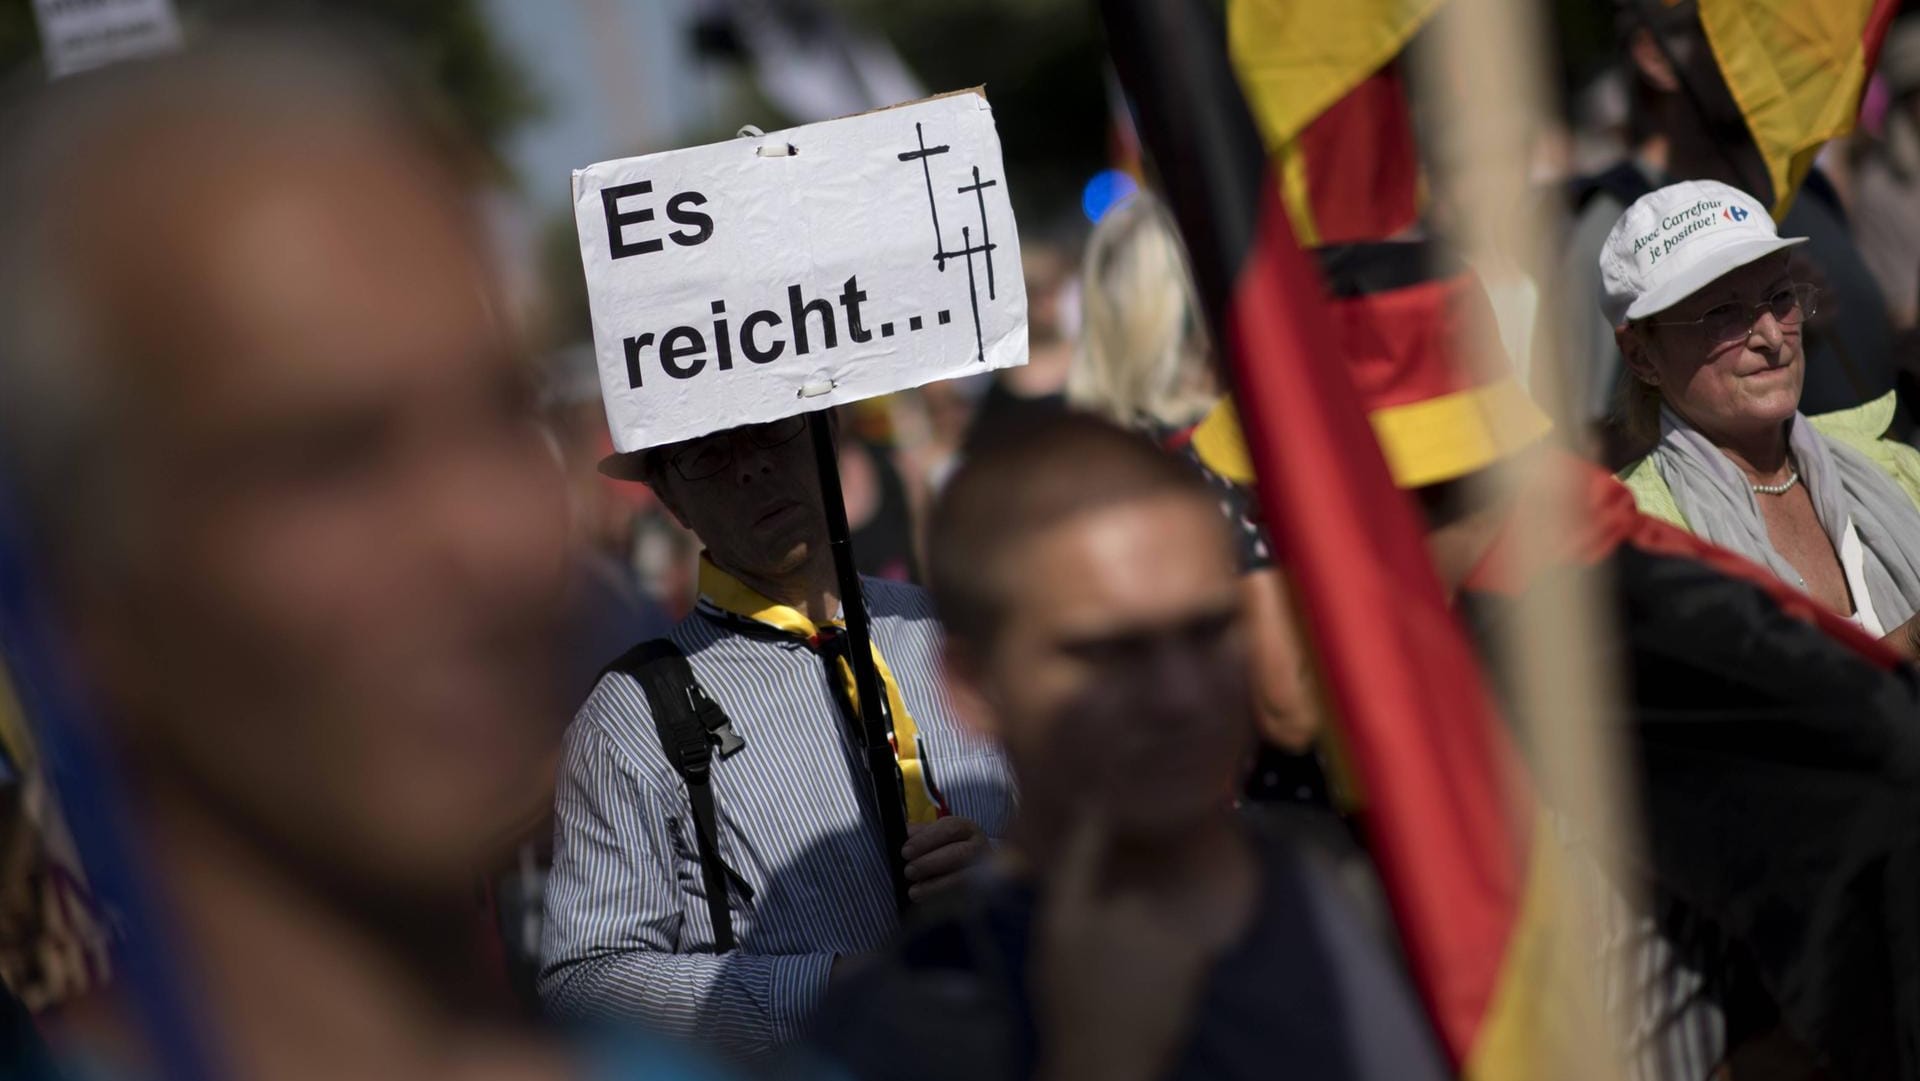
1708	316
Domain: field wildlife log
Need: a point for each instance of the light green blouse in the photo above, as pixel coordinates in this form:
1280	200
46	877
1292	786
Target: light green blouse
1863	428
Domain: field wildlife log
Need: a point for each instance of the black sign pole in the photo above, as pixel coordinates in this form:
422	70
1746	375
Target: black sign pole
883	769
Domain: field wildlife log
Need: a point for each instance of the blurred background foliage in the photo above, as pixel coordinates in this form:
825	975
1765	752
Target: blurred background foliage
1041	61
449	43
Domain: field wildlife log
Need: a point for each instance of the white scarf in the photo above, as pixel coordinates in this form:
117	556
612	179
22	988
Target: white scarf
1718	503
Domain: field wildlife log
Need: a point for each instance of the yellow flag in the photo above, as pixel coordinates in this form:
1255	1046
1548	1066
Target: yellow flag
1302	60
1796	69
1297	57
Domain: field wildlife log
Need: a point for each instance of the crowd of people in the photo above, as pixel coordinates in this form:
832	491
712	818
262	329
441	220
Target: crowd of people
448	743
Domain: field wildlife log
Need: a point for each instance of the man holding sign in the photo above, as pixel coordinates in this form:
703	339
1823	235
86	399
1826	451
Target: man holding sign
726	818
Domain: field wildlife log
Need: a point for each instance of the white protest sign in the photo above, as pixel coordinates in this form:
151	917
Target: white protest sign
762	277
81	34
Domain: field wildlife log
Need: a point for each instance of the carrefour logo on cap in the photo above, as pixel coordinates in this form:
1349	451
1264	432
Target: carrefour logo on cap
1735	213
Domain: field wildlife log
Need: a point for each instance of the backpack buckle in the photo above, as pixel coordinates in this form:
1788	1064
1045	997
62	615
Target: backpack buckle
715	720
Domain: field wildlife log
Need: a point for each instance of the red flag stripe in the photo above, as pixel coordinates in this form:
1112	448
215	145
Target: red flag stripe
1363	188
1417	718
1401	343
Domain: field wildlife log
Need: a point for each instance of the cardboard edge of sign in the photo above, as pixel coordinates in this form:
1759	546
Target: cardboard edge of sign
978	90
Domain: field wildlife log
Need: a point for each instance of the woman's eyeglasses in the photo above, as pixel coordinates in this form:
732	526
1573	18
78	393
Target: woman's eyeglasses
1733	320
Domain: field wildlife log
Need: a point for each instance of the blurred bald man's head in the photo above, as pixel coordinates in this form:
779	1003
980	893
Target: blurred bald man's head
281	453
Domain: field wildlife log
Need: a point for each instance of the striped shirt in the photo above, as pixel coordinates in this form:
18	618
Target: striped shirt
1659	976
628	932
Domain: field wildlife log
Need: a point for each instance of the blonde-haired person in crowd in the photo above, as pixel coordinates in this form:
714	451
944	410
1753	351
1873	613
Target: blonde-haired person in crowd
1709	317
1145	362
1144	359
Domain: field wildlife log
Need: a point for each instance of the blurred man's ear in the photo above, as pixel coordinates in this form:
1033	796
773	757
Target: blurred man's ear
961	667
1651	61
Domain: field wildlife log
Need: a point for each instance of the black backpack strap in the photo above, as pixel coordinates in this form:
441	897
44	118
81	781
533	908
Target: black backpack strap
690	725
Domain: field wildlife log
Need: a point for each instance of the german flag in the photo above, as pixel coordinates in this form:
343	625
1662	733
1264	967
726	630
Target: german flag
1451	821
1796	68
1314	74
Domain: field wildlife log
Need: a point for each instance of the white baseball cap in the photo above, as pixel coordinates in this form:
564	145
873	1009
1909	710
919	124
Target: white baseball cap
1673	242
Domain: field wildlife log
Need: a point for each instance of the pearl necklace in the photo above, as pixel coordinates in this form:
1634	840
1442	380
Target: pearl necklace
1776	489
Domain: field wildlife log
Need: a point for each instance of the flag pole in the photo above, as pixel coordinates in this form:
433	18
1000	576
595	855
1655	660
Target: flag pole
1485	67
876	728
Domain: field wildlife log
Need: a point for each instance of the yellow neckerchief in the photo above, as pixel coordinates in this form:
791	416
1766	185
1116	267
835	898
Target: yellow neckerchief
728	594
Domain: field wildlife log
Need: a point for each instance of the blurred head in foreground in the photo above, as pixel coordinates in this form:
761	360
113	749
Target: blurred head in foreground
1089	589
1145	362
283	468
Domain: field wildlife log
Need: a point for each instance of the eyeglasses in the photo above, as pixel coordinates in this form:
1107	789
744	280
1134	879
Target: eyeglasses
1733	320
708	455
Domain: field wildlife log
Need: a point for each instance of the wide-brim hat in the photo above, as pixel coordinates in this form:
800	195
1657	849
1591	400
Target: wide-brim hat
631	465
1416	330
